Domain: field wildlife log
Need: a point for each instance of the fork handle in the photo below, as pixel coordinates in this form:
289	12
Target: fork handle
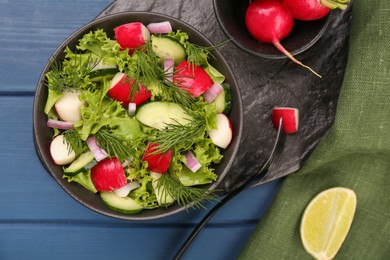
205	219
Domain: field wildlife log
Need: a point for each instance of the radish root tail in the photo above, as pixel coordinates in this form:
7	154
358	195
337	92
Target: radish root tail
289	55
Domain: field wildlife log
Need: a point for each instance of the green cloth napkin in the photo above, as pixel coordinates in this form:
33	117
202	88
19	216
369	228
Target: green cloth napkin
355	153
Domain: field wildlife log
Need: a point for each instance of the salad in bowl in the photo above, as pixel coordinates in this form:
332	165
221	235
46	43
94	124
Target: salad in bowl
138	116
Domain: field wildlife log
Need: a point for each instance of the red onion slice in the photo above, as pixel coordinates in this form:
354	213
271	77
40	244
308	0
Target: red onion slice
212	93
168	69
132	107
97	152
162	27
192	163
125	190
59	124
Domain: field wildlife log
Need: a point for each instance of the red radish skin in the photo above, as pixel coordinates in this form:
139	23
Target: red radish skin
108	175
269	21
192	78
131	35
308	10
290	118
120	90
157	162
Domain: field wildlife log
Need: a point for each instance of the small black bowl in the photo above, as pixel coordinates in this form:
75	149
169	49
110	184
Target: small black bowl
231	17
43	134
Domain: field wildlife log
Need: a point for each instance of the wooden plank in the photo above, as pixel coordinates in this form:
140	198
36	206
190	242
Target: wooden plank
68	241
28	193
31	31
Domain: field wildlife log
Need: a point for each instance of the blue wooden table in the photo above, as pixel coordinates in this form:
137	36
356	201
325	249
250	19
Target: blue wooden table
38	220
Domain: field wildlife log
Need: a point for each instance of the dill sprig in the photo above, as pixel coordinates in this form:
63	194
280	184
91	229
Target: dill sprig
177	93
70	74
185	196
73	141
183	134
144	67
115	145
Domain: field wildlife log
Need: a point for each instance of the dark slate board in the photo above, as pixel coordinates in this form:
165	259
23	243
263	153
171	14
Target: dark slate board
268	83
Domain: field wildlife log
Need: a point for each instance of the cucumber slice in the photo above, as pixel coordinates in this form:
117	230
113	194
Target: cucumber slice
98	75
124	205
158	114
83	163
223	101
163	199
166	47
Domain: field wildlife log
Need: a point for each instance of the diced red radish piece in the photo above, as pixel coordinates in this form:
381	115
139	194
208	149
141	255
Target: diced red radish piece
59	124
162	27
131	35
191	162
168	69
125	190
68	107
290	118
157	162
222	136
97	152
212	93
108	175
61	153
192	78
120	90
132	107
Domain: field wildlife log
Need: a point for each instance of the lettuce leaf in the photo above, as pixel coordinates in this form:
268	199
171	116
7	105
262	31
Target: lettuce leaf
99	111
84	179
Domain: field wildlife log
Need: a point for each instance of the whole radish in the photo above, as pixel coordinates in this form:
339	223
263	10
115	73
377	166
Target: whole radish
269	21
307	10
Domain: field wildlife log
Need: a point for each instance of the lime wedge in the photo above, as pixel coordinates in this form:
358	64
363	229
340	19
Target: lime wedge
326	222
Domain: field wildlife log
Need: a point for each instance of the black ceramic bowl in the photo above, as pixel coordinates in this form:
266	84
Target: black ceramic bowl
43	134
231	17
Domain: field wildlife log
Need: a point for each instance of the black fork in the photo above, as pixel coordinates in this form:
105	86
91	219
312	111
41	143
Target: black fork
261	174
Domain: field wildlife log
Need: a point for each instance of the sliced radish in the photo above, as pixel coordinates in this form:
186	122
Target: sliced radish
157	162
60	151
59	124
125	190
162	27
68	107
97	152
131	35
290	117
192	78
212	93
168	69
223	135
108	175
191	162
120	89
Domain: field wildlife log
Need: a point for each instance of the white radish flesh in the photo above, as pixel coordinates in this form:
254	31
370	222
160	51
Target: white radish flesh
68	107
223	134
60	151
290	117
125	190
